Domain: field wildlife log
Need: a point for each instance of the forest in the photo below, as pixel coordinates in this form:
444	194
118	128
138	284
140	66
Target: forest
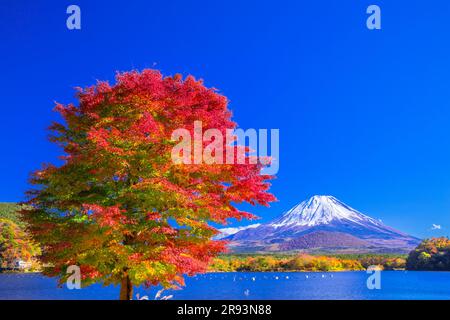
431	255
17	250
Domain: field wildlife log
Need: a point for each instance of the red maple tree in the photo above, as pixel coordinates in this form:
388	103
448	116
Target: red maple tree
118	206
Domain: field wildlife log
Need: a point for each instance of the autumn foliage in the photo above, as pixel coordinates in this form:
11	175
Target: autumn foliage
299	262
431	255
118	206
15	245
305	262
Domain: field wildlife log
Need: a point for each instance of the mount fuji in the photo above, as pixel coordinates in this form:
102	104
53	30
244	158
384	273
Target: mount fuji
320	224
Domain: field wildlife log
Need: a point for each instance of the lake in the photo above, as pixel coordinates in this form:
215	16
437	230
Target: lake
248	285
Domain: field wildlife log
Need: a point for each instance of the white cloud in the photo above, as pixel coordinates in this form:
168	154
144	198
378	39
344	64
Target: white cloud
225	232
436	227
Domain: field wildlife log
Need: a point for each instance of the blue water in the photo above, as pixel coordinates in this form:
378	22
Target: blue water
274	285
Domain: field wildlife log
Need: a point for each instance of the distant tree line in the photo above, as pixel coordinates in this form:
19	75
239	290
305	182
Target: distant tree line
305	262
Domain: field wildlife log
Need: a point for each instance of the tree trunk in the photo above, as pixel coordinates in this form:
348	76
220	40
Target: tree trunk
126	288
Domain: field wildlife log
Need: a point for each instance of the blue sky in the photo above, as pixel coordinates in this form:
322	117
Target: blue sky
363	115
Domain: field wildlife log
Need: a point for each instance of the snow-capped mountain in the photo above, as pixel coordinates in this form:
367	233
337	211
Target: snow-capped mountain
321	210
322	223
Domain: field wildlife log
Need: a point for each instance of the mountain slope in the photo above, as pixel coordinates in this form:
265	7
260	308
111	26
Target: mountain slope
323	240
322	222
